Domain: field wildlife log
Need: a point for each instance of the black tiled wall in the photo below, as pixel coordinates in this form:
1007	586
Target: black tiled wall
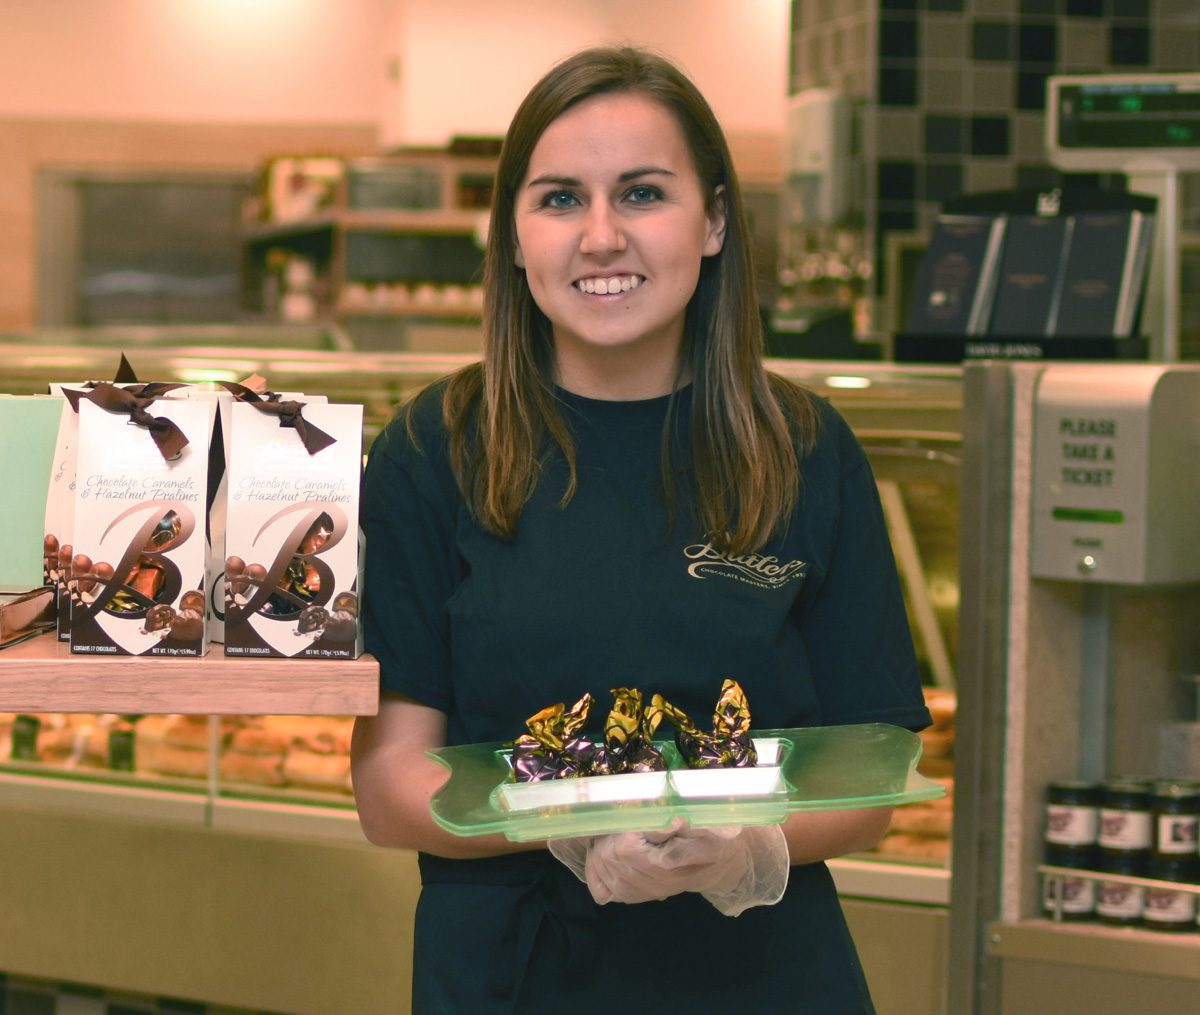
950	96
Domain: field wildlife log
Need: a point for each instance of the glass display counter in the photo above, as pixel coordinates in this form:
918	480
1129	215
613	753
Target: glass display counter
261	773
906	417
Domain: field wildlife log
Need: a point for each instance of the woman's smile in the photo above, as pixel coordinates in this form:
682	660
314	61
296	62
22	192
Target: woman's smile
610	285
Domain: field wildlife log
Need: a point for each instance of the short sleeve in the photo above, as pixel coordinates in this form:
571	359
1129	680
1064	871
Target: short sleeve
855	627
411	567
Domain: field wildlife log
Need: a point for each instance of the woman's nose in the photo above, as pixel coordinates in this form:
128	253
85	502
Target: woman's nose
602	231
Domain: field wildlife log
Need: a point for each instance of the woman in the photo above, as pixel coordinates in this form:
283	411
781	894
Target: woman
618	495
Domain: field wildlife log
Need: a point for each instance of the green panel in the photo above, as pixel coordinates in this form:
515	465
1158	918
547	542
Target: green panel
28	431
1103	515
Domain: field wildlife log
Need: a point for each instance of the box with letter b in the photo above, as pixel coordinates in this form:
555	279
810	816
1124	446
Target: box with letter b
291	541
137	574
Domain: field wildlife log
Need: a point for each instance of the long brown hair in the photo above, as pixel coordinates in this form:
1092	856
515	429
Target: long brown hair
747	426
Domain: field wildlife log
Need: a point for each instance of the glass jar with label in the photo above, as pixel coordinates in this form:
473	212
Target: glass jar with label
1176	811
1072	814
1065	897
1168	908
1119	901
1125	817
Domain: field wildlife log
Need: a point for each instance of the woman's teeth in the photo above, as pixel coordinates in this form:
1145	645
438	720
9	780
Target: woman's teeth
606	286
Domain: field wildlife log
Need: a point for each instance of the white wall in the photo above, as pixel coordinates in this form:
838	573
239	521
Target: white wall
467	63
239	61
419	69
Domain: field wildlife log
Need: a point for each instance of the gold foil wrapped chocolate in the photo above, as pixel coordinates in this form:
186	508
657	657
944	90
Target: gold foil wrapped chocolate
729	745
629	737
553	748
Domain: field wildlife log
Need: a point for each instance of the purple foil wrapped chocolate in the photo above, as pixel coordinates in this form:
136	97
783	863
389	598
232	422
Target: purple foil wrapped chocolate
629	737
553	748
556	748
729	745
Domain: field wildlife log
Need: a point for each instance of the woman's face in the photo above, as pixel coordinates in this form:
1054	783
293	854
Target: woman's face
611	226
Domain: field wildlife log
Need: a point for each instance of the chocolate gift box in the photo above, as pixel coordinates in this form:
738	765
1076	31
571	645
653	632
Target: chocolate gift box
137	576
58	536
291	538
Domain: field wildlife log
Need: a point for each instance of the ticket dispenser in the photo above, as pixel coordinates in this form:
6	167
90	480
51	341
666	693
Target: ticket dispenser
1116	474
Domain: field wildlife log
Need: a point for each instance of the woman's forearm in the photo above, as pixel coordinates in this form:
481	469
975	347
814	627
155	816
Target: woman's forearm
393	808
394	782
813	836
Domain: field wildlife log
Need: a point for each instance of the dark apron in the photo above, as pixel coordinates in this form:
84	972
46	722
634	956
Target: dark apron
521	934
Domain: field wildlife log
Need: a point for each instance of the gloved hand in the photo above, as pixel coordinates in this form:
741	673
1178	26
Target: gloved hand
735	868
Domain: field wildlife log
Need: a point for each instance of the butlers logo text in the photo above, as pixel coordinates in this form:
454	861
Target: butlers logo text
752	568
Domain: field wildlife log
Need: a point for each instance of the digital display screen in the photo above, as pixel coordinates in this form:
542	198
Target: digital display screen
1129	115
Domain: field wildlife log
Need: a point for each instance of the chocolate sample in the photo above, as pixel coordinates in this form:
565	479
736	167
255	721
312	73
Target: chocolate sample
628	737
553	748
728	746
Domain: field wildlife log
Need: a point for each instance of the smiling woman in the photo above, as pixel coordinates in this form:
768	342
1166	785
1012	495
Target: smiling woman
634	116
619	496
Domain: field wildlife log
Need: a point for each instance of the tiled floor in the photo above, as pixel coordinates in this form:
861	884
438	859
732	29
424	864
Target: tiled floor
19	996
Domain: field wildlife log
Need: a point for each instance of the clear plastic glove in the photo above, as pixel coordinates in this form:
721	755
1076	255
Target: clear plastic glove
753	871
734	868
572	854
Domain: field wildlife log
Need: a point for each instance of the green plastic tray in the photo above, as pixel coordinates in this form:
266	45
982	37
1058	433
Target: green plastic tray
823	768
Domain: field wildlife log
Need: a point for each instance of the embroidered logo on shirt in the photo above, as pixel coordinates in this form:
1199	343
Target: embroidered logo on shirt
752	568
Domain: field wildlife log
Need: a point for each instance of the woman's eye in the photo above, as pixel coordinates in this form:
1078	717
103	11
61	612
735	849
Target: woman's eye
559	199
643	194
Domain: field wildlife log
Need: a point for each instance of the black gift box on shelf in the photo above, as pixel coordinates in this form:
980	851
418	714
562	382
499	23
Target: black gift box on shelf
1024	274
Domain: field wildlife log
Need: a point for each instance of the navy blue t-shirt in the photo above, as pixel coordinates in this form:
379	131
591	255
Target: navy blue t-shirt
613	590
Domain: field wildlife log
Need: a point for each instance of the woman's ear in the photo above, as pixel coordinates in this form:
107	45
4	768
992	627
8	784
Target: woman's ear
518	257
717	222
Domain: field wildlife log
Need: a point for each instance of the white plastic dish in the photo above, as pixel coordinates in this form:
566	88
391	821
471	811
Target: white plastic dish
591	789
764	779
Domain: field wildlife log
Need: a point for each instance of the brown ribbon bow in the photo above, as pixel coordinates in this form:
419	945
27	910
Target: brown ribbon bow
289	413
125	373
169	439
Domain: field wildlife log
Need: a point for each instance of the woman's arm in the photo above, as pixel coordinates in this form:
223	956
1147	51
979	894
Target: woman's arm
394	782
822	835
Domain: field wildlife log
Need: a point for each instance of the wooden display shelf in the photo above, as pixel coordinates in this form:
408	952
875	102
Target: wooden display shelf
41	675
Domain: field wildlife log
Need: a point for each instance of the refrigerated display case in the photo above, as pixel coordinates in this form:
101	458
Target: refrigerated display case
1060	680
230	797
